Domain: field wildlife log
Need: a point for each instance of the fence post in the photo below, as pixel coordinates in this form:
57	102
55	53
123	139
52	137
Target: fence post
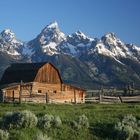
47	98
31	91
100	94
74	97
120	99
20	92
100	98
133	88
3	97
13	94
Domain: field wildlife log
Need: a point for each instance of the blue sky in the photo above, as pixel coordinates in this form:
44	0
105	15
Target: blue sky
93	17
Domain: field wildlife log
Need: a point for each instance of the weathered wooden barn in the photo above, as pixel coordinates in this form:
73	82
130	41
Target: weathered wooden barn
38	82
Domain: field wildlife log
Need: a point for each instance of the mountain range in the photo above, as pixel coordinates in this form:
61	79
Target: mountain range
82	60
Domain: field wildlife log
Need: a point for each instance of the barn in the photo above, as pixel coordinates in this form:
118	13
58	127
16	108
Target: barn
38	82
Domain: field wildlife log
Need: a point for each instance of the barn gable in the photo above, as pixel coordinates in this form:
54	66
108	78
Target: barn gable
30	72
48	74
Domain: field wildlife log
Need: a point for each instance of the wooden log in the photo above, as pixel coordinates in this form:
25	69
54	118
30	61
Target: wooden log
20	92
31	91
74	97
100	98
47	98
13	95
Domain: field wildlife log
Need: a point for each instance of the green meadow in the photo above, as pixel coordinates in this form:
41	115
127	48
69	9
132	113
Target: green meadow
101	118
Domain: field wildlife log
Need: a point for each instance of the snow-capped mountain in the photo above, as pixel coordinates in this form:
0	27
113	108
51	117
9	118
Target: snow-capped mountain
9	44
107	61
76	44
48	40
117	47
110	45
52	41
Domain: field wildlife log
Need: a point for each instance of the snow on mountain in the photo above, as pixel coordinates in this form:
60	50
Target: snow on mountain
50	38
79	36
110	45
115	45
27	50
79	39
52	41
9	44
76	44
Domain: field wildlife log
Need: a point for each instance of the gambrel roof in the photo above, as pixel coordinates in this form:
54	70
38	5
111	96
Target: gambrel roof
23	71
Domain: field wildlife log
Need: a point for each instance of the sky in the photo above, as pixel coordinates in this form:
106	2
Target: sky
93	17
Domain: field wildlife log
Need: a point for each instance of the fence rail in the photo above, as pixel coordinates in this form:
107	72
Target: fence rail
113	99
25	98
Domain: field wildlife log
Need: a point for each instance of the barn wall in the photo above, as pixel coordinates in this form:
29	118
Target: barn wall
36	92
11	92
59	93
48	74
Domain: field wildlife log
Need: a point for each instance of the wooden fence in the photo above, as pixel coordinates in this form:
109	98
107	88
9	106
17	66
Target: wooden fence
91	98
25	98
113	99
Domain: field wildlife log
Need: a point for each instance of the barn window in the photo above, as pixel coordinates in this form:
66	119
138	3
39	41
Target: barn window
39	91
54	91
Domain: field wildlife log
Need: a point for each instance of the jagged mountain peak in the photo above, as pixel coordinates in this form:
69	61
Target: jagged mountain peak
8	35
111	39
110	35
52	27
7	31
79	35
49	39
9	44
52	31
53	24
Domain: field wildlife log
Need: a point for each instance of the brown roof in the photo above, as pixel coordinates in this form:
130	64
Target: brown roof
22	71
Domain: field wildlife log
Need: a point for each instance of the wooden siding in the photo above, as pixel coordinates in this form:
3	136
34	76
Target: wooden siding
36	92
48	74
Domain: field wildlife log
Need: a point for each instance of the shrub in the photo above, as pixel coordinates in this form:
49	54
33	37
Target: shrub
127	128
40	136
129	120
138	123
9	120
27	119
4	135
1	122
24	119
75	125
45	121
48	121
82	122
57	122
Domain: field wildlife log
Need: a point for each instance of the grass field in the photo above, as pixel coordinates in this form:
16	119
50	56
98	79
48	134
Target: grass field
102	118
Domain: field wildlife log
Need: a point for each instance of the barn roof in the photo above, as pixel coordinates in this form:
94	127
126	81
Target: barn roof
22	71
